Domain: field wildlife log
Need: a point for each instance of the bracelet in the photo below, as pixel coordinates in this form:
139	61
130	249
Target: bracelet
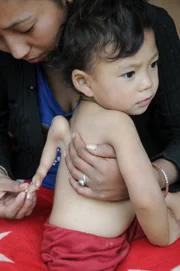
165	177
5	171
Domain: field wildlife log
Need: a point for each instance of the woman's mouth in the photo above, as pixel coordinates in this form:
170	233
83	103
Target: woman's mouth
36	59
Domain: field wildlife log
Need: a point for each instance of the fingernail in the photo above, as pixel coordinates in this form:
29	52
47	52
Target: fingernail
73	135
29	196
91	147
22	194
37	184
24	185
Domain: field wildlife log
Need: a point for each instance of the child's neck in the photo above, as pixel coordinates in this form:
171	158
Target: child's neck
86	98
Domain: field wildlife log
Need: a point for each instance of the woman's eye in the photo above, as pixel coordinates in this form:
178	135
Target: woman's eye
154	64
28	30
128	74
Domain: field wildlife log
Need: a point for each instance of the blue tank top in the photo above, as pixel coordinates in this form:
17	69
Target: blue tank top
48	109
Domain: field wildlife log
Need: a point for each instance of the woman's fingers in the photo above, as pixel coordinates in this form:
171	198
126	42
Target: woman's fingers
12	205
18	206
80	161
8	185
78	149
103	180
103	150
13	202
27	207
71	168
34	198
84	191
76	164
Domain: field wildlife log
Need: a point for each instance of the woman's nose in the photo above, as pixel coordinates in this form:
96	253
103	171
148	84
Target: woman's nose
17	46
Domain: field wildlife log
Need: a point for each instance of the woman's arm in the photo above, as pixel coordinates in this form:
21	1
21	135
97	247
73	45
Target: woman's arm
4	119
12	194
170	170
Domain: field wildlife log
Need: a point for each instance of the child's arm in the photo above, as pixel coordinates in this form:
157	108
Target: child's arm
58	136
137	171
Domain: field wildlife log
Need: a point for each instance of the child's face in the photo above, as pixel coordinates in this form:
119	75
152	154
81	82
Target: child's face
128	84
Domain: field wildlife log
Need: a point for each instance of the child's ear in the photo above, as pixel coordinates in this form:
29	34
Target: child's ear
81	82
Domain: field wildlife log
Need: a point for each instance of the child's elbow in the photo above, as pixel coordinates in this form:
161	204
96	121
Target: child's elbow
160	241
60	128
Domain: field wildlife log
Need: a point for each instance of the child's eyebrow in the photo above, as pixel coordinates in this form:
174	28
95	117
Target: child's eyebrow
130	66
156	55
136	65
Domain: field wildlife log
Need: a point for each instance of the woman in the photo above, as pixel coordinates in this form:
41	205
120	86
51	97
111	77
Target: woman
29	31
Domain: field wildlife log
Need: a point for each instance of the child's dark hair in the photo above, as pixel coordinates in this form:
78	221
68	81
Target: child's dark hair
94	24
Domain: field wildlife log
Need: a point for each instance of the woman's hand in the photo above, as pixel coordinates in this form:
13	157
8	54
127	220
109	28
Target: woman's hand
102	175
13	201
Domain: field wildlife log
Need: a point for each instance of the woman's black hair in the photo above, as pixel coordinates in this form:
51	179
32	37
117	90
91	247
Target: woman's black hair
59	2
93	24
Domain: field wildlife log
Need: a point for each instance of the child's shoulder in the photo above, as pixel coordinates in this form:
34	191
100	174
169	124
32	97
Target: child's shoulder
93	115
114	117
112	120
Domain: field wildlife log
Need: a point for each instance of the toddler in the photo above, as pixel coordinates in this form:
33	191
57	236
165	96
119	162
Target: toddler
109	55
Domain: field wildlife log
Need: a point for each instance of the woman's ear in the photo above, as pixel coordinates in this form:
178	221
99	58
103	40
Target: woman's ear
81	82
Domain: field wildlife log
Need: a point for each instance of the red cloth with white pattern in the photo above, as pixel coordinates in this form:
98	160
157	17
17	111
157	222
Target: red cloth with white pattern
20	243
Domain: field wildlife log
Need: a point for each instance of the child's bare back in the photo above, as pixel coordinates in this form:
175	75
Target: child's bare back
72	211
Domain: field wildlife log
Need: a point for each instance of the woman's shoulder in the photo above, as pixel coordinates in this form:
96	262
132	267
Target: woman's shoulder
15	68
6	61
3	58
160	18
156	10
4	65
167	38
157	13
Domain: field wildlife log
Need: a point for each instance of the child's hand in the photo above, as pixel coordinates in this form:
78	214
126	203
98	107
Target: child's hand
35	184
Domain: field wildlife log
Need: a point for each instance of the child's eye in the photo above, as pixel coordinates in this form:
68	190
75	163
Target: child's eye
128	74
154	64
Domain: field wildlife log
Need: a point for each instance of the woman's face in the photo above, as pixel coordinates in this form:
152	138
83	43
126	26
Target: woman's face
29	28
